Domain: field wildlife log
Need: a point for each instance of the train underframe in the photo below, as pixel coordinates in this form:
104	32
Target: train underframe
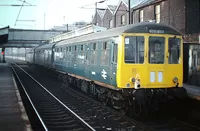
133	102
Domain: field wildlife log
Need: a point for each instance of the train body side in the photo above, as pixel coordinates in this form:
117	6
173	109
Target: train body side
94	60
44	55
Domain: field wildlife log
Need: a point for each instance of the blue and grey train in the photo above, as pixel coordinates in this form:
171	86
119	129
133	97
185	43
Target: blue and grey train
130	67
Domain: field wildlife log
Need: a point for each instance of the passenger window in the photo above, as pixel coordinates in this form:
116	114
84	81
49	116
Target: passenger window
75	48
134	49
94	46
105	44
70	48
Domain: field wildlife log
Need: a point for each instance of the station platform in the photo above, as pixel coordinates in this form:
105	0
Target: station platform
12	112
193	91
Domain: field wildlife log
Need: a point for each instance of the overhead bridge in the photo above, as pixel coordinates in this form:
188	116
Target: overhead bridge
23	38
28	38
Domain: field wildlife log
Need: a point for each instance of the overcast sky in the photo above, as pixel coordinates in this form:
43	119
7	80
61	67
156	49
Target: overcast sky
56	12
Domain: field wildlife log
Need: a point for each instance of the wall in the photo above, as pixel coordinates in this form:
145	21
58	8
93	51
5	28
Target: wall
106	19
121	11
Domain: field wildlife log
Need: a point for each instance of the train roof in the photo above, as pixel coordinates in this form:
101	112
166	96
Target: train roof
46	46
144	27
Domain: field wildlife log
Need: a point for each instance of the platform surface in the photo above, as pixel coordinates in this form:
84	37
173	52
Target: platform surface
193	91
11	115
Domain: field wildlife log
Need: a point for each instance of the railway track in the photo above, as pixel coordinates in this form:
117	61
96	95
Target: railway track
52	113
66	114
100	117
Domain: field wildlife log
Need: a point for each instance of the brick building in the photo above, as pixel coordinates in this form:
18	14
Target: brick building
184	15
109	17
97	19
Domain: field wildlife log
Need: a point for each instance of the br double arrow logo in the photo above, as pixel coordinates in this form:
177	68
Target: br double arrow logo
104	74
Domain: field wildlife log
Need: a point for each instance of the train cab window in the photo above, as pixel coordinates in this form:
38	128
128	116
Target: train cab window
174	50
134	49
156	50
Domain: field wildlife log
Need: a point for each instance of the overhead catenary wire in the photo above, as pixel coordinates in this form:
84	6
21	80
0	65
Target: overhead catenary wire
19	12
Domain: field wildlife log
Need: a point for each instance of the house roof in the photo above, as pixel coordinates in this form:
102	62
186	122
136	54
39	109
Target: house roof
143	3
121	1
101	13
112	8
135	3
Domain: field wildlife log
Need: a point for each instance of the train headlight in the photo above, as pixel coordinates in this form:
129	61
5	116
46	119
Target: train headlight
175	80
128	85
132	80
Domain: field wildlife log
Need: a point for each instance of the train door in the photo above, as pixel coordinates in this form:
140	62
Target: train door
86	62
156	58
113	66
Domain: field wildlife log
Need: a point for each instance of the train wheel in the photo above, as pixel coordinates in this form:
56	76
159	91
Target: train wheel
104	99
119	103
84	85
124	108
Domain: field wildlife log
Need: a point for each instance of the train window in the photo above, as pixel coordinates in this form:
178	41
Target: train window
70	48
81	47
75	48
134	49
61	49
105	44
67	49
94	46
174	50
156	50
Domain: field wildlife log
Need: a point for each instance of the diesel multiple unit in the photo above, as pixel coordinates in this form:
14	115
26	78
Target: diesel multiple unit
130	67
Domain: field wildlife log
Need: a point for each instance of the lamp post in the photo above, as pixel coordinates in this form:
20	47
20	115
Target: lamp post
129	12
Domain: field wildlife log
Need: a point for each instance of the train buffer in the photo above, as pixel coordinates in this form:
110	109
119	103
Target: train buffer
193	91
12	113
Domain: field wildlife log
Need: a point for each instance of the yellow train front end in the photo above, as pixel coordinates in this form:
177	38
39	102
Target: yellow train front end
150	66
153	60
